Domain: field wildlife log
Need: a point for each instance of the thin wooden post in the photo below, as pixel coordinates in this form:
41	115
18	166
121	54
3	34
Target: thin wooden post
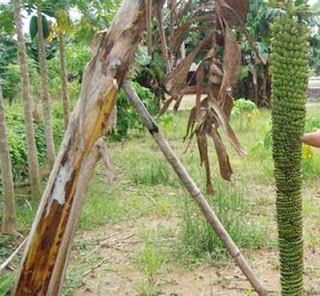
194	191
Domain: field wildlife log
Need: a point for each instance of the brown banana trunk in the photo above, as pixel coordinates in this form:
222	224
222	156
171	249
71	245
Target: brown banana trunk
46	102
51	233
34	174
9	214
64	79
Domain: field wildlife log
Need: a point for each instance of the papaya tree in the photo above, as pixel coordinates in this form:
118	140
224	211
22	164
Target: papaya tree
39	27
289	68
9	215
33	164
63	28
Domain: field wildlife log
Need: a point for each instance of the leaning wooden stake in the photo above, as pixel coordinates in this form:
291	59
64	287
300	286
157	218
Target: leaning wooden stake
194	190
51	234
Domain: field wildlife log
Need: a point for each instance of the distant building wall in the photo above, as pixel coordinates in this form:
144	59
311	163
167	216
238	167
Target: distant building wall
314	87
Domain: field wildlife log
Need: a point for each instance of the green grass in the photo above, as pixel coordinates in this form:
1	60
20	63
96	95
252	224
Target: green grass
146	188
199	241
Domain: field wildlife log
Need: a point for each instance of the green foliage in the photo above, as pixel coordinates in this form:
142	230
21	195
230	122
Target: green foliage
33	27
11	82
312	124
6	18
289	84
6	283
150	261
244	110
73	280
198	239
96	15
17	139
77	56
127	118
155	172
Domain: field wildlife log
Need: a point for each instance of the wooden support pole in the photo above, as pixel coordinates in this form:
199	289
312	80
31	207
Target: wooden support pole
194	191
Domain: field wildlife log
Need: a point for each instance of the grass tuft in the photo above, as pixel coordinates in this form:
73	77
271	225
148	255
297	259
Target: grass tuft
199	241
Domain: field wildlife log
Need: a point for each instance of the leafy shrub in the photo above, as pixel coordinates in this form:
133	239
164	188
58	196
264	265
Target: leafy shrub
17	138
312	124
309	161
77	56
11	80
244	110
127	118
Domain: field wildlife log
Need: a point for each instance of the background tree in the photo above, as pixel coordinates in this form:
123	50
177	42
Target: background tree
8	52
34	174
255	83
9	215
63	28
42	30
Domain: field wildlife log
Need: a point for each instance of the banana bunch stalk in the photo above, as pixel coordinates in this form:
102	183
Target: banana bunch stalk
289	69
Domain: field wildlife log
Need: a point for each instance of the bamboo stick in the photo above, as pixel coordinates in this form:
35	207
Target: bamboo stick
194	191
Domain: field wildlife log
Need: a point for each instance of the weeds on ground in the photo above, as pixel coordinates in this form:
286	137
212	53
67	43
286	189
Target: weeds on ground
151	261
199	241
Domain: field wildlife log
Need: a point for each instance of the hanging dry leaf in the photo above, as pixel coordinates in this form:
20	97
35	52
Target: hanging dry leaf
176	81
231	62
199	91
203	151
223	158
235	11
222	120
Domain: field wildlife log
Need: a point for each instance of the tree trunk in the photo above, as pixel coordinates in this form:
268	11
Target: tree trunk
64	79
33	164
46	103
51	234
9	214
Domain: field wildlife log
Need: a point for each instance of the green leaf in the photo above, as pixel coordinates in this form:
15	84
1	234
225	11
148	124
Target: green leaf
6	282
299	2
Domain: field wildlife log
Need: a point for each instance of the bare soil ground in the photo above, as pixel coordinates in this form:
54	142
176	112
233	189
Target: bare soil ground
116	271
106	260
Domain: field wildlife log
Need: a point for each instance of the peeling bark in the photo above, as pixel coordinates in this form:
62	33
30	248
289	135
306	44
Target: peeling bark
87	169
50	234
9	213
